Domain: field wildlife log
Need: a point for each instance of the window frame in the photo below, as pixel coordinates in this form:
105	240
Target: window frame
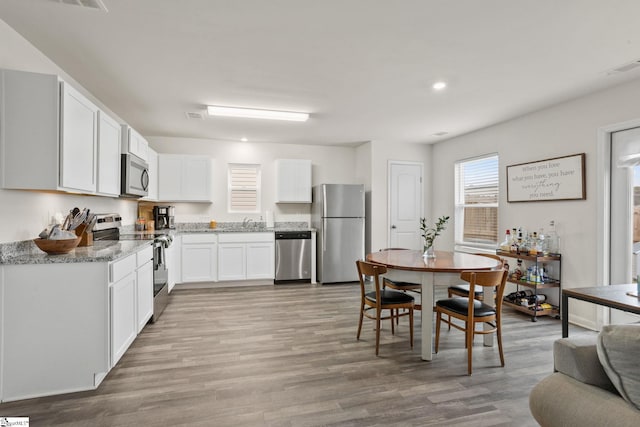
460	205
231	188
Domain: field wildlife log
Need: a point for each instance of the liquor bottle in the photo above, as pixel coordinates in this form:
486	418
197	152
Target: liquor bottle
552	238
506	244
533	247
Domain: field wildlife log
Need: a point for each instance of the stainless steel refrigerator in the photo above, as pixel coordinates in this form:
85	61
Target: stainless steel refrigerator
338	214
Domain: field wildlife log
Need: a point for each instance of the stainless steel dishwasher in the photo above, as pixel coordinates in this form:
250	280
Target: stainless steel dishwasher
293	257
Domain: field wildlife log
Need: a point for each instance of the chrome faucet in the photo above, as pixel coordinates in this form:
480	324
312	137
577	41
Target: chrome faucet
246	222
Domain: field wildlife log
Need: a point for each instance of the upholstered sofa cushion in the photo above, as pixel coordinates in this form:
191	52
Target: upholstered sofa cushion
618	351
578	358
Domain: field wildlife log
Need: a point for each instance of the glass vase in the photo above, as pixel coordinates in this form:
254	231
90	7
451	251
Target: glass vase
429	252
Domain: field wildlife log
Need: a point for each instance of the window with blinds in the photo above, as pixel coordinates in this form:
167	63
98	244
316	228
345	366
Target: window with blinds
244	188
476	202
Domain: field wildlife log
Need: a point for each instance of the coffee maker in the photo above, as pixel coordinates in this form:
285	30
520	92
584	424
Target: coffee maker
163	216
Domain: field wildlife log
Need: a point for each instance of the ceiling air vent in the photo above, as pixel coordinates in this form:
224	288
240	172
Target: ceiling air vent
626	67
439	133
194	115
91	4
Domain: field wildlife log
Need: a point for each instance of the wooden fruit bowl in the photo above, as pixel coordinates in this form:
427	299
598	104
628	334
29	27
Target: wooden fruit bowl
57	247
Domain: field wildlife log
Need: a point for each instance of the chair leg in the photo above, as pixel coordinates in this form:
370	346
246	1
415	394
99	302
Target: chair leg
469	338
499	337
411	327
378	314
393	331
438	320
360	322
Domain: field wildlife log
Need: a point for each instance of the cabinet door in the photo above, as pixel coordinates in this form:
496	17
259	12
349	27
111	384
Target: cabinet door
135	143
153	175
78	144
198	262
169	177
293	181
123	315
260	260
173	255
196	177
109	136
144	286
231	261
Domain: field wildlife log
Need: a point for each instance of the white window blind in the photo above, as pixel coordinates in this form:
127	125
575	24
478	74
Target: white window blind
476	202
244	188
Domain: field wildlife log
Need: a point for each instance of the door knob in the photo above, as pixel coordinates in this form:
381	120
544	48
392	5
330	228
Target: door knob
393	226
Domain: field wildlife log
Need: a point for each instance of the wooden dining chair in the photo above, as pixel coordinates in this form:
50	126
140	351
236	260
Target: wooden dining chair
381	299
471	311
401	285
462	290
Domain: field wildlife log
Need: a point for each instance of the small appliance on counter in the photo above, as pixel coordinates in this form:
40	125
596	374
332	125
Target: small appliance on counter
164	217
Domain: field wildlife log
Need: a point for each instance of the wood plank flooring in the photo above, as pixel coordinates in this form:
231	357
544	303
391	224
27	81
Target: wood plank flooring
288	356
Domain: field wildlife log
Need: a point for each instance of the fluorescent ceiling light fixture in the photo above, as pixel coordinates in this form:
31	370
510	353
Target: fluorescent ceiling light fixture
252	113
439	85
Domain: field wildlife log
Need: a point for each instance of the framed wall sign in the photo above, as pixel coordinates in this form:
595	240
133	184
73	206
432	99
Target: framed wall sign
560	178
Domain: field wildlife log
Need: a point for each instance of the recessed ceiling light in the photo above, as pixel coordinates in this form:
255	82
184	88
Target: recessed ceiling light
252	113
439	85
243	139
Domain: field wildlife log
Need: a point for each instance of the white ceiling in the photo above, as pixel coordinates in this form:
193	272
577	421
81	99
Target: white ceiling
362	68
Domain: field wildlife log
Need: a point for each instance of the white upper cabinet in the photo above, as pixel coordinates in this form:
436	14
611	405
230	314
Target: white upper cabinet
49	134
79	136
184	178
134	143
109	137
293	181
152	160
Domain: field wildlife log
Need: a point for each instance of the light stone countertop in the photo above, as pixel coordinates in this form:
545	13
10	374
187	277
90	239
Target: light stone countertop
101	251
26	252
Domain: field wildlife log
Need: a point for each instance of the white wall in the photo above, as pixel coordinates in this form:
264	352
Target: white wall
332	165
565	129
25	213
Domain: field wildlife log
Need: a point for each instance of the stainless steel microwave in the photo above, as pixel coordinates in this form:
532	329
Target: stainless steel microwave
135	176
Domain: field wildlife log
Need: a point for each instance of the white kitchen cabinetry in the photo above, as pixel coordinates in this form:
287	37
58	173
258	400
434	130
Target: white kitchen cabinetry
54	328
144	287
246	256
134	143
199	256
109	137
152	160
184	178
173	255
131	293
49	134
293	181
122	296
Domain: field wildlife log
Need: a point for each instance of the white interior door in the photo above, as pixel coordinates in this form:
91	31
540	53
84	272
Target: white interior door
405	204
625	182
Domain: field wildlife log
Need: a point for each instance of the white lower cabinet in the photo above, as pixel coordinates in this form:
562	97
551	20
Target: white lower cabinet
199	257
122	295
144	287
173	256
232	261
131	299
246	256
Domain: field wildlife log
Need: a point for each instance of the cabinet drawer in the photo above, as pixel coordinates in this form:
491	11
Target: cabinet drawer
122	267
200	238
144	255
246	237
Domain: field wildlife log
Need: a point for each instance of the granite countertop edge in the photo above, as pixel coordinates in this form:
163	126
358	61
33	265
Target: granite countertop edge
101	251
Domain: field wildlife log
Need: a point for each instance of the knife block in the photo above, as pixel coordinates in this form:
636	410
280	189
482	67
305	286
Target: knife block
86	235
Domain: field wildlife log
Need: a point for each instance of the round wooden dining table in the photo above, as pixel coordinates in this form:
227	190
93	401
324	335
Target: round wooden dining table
409	265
